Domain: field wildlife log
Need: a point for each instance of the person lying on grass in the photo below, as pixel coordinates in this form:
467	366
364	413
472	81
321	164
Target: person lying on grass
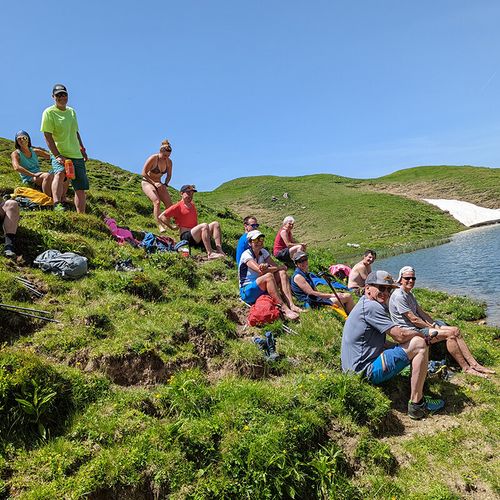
285	246
186	217
259	274
366	351
406	312
304	290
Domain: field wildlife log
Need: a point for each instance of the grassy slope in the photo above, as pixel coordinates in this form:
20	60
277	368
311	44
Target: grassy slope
150	386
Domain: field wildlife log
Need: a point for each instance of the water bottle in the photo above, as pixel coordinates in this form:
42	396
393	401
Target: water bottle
70	169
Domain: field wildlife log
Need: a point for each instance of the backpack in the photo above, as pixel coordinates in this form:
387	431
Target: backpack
152	243
265	310
68	265
34	195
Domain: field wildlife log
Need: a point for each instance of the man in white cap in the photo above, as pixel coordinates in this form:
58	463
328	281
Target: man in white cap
259	274
365	349
407	313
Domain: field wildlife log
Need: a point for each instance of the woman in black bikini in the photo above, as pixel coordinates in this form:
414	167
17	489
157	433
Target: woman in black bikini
154	169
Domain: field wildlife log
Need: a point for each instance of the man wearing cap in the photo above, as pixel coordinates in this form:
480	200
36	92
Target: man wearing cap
60	128
407	313
305	291
186	217
259	274
249	223
365	349
360	271
9	217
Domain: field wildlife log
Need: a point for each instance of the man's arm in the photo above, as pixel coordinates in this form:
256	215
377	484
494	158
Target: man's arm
426	317
53	148
403	335
416	320
82	147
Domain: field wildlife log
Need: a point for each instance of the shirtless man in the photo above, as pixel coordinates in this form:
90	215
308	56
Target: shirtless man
186	217
360	272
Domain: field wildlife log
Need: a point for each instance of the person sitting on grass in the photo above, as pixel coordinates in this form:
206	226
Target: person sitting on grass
9	216
304	290
186	217
365	350
285	246
360	271
406	312
259	274
249	223
25	162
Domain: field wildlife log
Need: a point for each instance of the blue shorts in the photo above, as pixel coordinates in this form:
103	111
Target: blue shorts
388	364
251	292
81	181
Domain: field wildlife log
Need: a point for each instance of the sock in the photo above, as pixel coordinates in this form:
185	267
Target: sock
9	240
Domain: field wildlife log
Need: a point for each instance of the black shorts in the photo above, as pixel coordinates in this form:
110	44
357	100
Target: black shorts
284	255
186	235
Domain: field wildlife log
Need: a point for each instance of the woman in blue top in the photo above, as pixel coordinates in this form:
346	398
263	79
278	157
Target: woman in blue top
25	162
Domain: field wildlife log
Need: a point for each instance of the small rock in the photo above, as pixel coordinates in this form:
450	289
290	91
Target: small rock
274	198
285	195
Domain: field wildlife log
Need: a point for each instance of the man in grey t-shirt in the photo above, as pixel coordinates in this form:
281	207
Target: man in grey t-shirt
365	350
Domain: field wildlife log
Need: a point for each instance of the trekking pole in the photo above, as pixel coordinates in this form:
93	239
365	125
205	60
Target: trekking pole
328	278
22	312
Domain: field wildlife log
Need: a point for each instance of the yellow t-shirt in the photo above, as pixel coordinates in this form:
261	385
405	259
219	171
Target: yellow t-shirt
63	126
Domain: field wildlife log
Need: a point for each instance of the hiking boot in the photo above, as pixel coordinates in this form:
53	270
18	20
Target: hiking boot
126	265
9	252
59	207
271	353
428	406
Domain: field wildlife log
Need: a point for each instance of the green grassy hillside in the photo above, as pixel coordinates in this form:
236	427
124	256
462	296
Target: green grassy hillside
151	387
384	213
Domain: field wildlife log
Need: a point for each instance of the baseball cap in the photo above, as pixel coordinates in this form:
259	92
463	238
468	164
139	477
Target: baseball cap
58	88
298	256
253	235
188	187
380	278
405	269
22	132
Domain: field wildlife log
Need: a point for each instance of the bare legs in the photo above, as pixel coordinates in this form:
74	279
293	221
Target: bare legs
268	284
418	353
204	232
157	196
80	200
460	351
297	248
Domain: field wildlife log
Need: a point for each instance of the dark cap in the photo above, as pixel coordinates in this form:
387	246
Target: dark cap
380	278
298	256
58	88
188	187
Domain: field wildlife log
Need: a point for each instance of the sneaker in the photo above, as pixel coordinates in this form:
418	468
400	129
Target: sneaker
59	207
428	406
9	252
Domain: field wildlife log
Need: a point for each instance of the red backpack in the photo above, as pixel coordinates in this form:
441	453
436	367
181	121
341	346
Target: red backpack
265	310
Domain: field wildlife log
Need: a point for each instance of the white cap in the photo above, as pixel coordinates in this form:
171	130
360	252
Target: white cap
253	235
405	269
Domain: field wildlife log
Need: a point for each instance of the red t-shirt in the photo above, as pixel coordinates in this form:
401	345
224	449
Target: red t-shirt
279	244
184	216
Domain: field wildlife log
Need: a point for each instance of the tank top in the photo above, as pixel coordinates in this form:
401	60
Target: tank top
301	296
30	164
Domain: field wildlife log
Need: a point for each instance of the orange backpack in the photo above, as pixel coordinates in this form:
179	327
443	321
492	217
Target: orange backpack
265	310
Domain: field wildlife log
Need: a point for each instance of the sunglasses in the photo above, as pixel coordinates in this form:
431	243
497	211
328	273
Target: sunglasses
22	138
409	278
260	238
255	226
384	288
166	150
304	259
61	94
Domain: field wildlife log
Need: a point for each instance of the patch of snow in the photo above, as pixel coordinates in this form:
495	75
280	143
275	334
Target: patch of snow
468	214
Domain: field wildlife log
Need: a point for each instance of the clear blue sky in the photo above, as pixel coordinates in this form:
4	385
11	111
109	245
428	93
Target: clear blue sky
355	88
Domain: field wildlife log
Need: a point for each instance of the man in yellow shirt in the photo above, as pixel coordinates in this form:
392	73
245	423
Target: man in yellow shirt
60	128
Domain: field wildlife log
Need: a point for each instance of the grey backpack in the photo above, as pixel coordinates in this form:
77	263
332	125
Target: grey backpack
68	265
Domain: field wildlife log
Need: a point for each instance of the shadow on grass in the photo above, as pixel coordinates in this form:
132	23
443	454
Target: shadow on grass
398	391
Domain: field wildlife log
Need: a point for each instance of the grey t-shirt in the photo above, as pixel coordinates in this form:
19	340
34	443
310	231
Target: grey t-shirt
363	338
402	302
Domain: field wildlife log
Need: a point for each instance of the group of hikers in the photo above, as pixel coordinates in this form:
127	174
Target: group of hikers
384	306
